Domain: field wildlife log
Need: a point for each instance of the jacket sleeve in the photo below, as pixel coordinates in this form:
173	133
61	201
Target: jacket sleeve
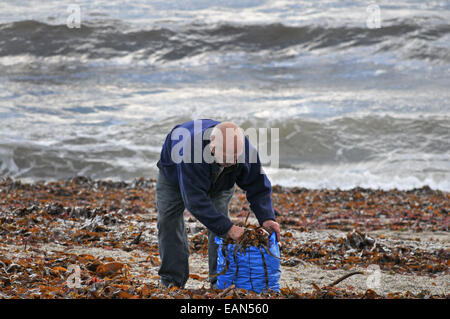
258	188
194	183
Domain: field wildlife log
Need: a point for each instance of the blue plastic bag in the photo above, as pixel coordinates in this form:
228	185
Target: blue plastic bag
247	271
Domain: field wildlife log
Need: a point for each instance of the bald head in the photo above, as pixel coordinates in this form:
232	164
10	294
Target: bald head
227	143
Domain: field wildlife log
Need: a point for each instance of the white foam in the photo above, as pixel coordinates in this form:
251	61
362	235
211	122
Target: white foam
16	59
359	175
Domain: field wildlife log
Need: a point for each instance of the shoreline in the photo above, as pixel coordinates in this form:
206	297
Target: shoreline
147	180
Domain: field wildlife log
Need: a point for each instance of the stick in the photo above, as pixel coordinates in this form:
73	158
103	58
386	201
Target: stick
246	218
345	277
226	290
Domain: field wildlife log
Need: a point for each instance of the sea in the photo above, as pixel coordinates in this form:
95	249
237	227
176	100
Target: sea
359	91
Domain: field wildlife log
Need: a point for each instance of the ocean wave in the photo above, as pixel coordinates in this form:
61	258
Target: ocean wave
347	177
344	152
114	39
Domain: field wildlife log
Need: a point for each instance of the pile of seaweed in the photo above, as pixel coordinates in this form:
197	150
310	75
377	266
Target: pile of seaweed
121	216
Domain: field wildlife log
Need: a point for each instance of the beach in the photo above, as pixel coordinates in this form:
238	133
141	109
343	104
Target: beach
398	239
349	100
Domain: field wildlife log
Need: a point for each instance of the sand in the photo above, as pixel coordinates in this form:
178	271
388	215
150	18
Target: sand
41	222
300	276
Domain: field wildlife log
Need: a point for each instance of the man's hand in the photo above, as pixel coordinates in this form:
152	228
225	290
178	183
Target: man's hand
235	232
272	226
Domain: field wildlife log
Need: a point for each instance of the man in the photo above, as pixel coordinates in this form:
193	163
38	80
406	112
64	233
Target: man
200	163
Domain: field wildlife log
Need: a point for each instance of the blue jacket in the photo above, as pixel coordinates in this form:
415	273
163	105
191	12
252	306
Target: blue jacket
198	180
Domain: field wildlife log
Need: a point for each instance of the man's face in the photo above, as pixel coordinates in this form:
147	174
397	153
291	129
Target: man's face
223	159
226	149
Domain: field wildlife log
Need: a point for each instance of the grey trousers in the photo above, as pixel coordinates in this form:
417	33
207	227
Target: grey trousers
172	235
